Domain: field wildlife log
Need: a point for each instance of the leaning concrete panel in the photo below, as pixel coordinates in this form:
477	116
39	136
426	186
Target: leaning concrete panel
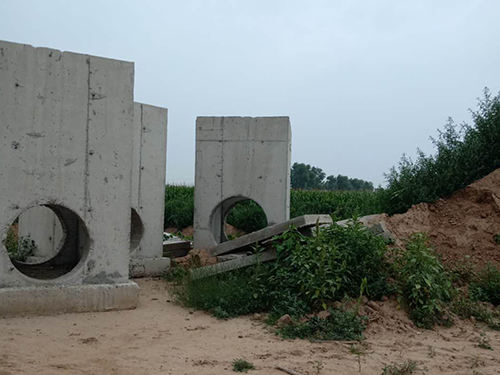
240	243
65	142
240	158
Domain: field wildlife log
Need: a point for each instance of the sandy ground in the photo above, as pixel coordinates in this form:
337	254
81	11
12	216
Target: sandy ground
160	337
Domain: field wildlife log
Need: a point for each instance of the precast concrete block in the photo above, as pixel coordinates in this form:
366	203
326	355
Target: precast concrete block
41	225
237	159
148	191
66	130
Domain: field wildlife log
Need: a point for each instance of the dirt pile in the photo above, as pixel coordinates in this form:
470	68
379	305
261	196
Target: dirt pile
463	226
195	258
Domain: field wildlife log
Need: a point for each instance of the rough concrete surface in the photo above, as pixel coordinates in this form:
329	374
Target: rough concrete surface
240	158
66	143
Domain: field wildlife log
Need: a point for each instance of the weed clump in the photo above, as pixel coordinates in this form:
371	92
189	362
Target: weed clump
339	325
240	365
486	286
408	367
423	282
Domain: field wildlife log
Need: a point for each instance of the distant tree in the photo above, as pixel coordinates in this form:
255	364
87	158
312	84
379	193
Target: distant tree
307	177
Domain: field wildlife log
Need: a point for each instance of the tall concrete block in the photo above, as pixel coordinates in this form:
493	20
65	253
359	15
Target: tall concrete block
147	200
148	191
240	158
66	143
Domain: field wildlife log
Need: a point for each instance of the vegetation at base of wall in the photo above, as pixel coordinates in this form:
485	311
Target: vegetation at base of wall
464	154
248	216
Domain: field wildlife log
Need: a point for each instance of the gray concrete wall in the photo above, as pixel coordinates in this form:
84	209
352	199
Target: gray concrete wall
148	176
66	140
147	199
148	191
240	158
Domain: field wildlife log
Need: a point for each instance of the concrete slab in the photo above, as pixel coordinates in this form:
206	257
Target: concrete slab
246	241
230	265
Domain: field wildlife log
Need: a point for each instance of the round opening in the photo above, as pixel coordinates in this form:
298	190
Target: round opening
46	242
136	230
235	217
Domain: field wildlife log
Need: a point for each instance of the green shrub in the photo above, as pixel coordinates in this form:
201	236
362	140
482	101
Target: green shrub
179	206
466	308
240	365
247	216
339	325
331	264
463	155
486	286
19	248
423	283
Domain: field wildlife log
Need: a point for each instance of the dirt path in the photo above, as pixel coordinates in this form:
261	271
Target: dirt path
160	337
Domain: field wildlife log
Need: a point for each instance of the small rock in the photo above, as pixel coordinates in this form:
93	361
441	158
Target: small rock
323	314
337	305
473	320
285	320
373	305
257	316
385	298
364	300
240	336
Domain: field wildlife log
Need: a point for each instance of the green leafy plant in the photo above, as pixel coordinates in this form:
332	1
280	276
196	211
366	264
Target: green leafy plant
423	282
240	365
19	248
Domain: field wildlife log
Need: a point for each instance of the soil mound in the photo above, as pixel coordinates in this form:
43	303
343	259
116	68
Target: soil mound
463	226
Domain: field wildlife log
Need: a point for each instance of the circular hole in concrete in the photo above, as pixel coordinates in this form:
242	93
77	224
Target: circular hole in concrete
46	242
136	230
235	217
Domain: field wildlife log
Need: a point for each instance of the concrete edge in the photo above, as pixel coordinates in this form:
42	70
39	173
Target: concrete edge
68	299
148	267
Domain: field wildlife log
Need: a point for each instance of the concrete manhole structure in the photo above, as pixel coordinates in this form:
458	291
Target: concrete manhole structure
67	143
238	159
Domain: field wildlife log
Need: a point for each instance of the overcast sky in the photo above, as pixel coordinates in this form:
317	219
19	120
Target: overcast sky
362	81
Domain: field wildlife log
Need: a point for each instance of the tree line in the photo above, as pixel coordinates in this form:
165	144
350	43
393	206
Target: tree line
307	177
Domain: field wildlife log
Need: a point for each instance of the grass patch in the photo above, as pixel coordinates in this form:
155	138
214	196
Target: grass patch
240	365
408	367
224	296
339	326
486	285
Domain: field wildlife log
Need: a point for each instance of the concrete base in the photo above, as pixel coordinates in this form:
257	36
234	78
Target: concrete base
142	267
68	299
